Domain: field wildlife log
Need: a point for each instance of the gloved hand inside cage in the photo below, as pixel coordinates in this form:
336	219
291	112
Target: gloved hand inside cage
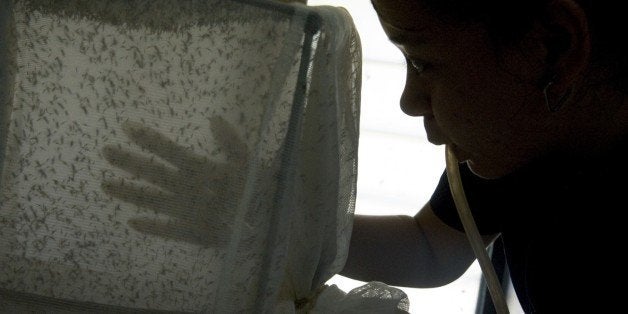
191	190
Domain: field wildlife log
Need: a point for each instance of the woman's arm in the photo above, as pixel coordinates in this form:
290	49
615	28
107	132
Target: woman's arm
419	251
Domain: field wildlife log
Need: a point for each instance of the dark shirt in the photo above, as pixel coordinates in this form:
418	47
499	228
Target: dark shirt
560	221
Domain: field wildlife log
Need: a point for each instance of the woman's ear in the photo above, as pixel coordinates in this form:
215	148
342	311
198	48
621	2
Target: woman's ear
567	44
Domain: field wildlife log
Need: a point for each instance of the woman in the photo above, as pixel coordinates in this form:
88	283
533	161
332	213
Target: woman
531	95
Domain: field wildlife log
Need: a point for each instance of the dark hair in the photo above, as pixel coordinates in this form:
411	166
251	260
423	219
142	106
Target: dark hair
508	21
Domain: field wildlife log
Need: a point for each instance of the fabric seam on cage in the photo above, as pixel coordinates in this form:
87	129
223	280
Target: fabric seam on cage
297	22
309	42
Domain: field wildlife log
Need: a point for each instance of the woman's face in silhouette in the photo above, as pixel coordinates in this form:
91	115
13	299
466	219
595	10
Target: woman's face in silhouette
482	101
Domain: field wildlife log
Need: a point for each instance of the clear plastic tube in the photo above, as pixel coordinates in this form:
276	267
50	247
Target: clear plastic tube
471	230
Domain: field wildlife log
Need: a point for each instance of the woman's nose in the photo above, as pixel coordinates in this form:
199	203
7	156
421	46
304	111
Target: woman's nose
414	101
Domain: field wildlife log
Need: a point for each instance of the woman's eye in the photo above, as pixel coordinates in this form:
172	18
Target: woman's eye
418	65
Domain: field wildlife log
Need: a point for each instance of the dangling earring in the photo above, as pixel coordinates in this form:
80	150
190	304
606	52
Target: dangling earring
555	106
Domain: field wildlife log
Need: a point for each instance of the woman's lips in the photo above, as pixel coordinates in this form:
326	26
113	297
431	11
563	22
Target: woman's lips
433	132
436	137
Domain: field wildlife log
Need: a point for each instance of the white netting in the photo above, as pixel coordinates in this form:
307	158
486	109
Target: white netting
174	155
